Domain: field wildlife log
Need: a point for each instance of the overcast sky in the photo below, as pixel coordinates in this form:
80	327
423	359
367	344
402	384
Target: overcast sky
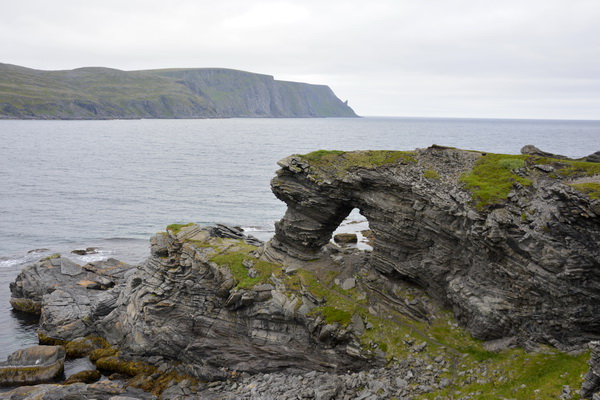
426	58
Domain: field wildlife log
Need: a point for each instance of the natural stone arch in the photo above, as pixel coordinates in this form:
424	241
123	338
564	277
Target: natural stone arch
484	264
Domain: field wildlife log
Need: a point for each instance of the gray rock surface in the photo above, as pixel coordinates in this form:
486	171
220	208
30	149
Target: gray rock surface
594	157
534	151
182	306
591	381
103	390
69	297
527	267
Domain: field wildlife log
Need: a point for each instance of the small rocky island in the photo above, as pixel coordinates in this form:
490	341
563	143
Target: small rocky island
483	282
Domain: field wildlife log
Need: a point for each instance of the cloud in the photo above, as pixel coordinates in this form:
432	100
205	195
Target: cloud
394	57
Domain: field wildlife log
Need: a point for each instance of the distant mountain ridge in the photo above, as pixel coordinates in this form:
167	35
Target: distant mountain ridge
105	93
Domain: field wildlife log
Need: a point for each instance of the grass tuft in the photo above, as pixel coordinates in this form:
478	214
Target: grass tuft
492	178
175	228
337	164
590	188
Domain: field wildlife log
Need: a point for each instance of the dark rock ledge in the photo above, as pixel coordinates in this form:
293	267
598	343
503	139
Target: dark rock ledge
216	314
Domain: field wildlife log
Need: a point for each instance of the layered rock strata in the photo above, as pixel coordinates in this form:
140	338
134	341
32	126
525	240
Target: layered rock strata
591	382
69	297
526	264
186	303
36	364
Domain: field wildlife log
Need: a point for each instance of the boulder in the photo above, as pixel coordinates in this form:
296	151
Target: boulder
68	297
36	364
534	151
594	157
102	390
345	238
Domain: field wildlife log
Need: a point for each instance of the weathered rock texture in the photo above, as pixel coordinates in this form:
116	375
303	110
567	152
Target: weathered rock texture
183	306
101	93
528	265
591	382
103	390
32	365
64	292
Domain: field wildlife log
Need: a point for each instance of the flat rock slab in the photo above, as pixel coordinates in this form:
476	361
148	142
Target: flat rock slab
32	365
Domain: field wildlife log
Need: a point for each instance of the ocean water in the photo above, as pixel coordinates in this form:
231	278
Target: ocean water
112	184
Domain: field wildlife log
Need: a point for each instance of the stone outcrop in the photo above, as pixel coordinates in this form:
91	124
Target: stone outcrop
103	390
36	364
510	243
186	304
64	292
526	264
591	381
89	93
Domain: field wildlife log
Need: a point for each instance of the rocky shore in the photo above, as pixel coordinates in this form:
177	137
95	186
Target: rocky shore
482	283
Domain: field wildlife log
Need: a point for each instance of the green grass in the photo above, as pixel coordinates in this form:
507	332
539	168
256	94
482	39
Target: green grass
543	374
515	374
233	259
430	174
492	178
590	188
333	314
337	164
574	169
176	228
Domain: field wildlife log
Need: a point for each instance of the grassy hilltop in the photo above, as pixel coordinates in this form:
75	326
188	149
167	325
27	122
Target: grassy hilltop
104	93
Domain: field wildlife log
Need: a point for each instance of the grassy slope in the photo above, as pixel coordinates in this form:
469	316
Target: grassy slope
164	93
473	371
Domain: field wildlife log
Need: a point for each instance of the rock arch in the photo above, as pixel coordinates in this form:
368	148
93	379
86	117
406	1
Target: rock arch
483	264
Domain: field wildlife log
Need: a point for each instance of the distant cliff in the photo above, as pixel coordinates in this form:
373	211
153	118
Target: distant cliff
104	93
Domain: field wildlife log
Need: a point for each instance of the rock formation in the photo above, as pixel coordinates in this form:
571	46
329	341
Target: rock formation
508	242
36	364
68	293
591	382
188	302
104	93
523	263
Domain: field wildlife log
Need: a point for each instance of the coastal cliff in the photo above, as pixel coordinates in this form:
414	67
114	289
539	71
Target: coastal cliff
105	93
508	243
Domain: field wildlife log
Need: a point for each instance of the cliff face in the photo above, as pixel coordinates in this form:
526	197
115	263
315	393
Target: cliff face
102	93
515	255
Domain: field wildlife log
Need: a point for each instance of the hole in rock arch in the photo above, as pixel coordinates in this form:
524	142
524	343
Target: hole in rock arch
356	223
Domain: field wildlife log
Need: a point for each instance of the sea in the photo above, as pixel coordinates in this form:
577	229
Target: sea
111	185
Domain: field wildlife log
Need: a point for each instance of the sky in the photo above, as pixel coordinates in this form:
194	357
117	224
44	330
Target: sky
417	58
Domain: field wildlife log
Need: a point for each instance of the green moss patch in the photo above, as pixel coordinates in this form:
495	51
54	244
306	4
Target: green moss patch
234	259
333	315
88	376
515	374
51	257
430	174
175	228
592	189
337	163
493	176
575	169
97	354
130	368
